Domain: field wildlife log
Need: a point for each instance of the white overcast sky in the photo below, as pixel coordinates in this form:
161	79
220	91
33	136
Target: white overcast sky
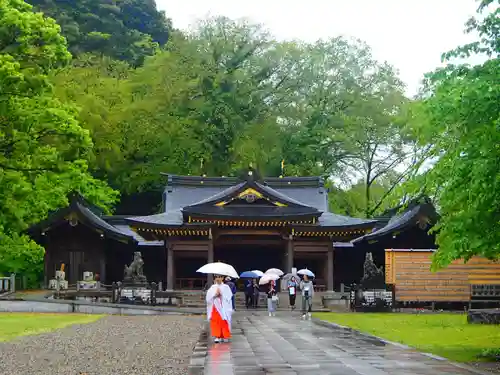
409	34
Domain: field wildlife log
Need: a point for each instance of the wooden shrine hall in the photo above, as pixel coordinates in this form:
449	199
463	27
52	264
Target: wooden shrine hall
251	223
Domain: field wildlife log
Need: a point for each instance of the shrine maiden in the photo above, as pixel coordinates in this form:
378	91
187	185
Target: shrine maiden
220	309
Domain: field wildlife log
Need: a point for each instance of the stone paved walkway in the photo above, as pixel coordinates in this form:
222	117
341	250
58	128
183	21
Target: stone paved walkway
285	345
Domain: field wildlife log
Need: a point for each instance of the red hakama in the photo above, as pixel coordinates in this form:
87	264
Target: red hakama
219	326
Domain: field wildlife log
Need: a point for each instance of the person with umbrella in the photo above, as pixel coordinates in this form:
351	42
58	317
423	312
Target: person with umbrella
292	291
272	298
307	288
272	293
218	298
219	309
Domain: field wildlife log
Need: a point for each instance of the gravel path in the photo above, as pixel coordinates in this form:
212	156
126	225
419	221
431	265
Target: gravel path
118	345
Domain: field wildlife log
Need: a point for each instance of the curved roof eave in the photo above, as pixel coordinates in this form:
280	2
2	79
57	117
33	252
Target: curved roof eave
78	204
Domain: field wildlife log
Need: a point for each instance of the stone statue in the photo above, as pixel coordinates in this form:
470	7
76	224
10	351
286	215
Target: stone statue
373	277
134	273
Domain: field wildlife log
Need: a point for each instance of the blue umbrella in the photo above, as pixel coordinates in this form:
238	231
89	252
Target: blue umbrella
249	275
305	271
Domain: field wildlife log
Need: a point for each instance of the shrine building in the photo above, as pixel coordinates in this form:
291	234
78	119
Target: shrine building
250	222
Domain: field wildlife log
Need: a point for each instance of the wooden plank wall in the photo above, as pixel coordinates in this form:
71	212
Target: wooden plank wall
484	271
410	272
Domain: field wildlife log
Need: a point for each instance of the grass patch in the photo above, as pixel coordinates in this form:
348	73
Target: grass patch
445	335
22	324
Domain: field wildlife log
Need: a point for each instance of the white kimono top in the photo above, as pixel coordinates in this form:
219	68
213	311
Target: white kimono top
222	304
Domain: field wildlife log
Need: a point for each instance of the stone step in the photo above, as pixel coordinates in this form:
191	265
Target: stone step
197	299
241	296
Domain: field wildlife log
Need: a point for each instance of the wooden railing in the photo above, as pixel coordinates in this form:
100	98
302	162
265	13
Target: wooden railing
191	283
320	288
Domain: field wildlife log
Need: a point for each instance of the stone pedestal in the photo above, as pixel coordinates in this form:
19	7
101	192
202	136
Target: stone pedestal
87	284
63	284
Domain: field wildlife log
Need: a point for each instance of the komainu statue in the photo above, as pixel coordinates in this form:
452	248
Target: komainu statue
134	273
373	277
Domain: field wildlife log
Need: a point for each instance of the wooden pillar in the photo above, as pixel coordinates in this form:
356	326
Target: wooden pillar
102	266
46	258
210	257
170	266
330	280
289	254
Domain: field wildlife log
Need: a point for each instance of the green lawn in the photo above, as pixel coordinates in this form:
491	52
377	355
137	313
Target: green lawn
446	335
22	324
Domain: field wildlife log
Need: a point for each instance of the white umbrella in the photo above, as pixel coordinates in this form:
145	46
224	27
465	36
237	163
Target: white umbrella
305	271
268	277
275	271
258	273
219	268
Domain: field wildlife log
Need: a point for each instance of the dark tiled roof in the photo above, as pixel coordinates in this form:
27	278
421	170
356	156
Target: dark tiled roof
316	197
282	197
208	206
87	215
305	193
98	222
140	240
220	195
401	221
178	197
329	219
173	217
384	218
185	191
120	223
230	181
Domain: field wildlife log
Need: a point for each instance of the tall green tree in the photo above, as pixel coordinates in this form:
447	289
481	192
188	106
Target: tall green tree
459	119
351	201
135	116
98	88
228	95
185	111
126	30
239	78
43	150
344	118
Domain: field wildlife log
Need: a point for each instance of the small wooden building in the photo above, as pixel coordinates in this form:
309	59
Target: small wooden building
404	247
401	230
79	237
